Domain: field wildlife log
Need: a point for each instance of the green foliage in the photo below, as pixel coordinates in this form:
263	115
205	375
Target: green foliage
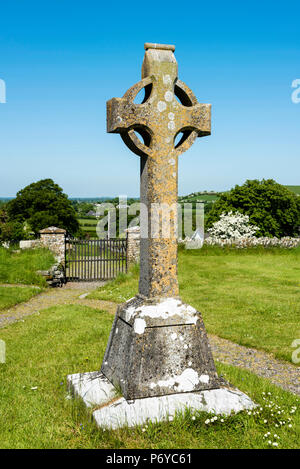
12	231
43	204
270	206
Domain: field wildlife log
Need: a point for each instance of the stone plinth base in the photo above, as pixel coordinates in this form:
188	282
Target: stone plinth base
116	412
159	347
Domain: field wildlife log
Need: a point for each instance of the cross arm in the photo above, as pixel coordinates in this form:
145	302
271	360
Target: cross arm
196	118
123	113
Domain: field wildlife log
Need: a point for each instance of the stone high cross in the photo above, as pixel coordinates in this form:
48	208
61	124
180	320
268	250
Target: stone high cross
158	354
158	344
158	120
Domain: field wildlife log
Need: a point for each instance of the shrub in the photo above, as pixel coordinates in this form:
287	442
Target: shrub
11	231
269	205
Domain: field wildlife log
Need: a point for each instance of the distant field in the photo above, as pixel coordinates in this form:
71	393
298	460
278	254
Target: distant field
295	189
87	221
88	226
198	198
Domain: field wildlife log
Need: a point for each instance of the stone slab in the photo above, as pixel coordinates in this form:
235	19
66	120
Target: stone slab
93	388
96	390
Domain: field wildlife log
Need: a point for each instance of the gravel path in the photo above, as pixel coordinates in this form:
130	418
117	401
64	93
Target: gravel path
282	374
72	293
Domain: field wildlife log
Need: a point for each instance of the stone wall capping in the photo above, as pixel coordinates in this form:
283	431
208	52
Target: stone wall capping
52	230
151	45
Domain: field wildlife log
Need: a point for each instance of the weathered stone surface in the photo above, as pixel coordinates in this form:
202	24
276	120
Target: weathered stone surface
93	388
133	244
97	391
53	238
158	348
156	409
29	244
55	276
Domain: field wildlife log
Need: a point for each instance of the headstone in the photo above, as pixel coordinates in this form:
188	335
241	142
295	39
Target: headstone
158	345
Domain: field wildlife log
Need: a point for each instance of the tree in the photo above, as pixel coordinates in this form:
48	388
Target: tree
43	204
269	205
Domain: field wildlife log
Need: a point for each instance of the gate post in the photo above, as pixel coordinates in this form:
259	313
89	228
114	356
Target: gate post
53	238
133	244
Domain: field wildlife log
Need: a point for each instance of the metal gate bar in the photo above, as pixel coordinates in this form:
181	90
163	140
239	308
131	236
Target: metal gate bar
97	259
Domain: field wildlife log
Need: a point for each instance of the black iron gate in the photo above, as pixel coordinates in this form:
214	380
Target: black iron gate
95	259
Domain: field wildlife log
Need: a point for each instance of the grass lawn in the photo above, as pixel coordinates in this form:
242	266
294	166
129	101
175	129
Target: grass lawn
10	296
21	267
35	411
249	296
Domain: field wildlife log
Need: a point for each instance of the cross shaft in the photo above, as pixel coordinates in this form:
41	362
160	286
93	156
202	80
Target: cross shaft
158	120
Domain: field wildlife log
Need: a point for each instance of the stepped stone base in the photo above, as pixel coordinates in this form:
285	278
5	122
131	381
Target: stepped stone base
159	347
115	412
159	358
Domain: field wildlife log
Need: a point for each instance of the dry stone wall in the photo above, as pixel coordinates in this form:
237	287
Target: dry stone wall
133	244
54	239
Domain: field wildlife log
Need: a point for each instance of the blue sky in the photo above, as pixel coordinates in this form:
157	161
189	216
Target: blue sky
62	60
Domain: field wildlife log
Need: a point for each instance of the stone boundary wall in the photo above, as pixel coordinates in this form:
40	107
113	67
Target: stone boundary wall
133	244
286	242
30	244
52	238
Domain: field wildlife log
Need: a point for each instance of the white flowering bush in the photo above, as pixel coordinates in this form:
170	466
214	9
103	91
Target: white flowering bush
232	226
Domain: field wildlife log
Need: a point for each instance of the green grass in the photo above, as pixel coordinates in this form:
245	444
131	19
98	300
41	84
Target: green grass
44	349
10	296
122	288
21	267
249	296
295	189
